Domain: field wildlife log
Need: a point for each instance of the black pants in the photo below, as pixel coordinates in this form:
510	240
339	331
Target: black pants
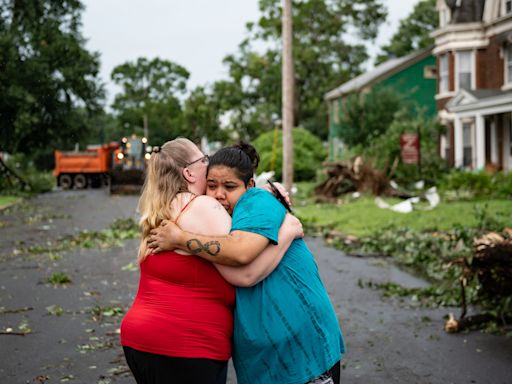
333	373
149	368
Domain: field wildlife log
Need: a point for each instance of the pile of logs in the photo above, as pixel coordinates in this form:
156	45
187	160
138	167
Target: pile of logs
492	263
353	176
492	266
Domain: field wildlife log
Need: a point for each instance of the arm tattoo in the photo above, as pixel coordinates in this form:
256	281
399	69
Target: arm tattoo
195	246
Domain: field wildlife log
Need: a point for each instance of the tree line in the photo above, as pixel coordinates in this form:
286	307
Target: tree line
51	95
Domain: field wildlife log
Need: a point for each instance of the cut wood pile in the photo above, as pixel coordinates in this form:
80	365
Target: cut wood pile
353	176
492	266
492	263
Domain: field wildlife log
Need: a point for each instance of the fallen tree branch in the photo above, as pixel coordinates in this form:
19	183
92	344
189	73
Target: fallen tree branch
18	310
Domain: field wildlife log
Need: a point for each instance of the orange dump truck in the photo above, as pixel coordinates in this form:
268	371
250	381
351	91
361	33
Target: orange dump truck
85	168
119	165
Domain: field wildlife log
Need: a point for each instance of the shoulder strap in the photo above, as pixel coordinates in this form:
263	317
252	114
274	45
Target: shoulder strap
185	207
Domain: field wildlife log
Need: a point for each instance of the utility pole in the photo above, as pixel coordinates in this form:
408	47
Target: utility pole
288	91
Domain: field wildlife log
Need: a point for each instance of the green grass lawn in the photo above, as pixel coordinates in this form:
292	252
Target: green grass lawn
7	200
362	217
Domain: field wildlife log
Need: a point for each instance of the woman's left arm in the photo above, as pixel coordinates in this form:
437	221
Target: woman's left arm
254	272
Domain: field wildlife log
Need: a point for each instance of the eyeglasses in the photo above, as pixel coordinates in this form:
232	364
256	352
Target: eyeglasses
205	160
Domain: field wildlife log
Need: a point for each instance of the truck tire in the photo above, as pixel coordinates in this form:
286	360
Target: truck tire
65	181
80	181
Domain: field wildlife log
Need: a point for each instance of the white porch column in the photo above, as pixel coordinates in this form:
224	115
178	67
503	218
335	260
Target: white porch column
480	142
494	141
507	142
457	142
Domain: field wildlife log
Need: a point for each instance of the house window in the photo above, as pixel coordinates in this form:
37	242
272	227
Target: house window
509	132
443	74
508	7
464	72
430	72
508	66
467	144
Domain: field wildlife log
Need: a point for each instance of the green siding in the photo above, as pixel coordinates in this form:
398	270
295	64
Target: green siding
410	81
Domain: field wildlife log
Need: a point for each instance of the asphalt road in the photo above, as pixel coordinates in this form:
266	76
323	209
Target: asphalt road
71	331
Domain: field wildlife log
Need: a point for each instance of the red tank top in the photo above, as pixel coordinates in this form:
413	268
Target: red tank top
183	308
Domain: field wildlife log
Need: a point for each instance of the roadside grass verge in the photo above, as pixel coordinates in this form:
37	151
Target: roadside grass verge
431	243
6	201
361	217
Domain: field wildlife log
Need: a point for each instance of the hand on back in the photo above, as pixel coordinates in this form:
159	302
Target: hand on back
293	226
165	237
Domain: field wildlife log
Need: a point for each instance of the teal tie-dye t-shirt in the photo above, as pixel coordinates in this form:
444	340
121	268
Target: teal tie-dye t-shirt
286	330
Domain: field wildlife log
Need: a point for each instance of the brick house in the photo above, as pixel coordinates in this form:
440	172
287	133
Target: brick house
473	47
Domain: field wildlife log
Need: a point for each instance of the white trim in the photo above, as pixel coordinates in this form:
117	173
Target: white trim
462	97
479	139
499	25
491	11
445	95
443	145
458	147
446	116
489	106
453	45
461	27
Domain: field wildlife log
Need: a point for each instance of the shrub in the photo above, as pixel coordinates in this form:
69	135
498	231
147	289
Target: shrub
384	149
478	184
38	181
308	153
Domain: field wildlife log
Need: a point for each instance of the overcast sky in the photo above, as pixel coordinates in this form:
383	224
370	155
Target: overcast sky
197	34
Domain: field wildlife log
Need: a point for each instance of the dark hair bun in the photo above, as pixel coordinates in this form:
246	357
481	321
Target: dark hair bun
250	151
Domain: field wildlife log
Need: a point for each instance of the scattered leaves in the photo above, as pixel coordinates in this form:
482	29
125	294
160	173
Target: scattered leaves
59	278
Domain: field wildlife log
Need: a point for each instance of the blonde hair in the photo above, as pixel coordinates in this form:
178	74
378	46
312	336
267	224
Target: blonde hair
164	180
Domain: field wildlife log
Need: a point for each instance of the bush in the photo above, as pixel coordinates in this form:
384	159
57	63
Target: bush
478	184
386	148
308	153
39	181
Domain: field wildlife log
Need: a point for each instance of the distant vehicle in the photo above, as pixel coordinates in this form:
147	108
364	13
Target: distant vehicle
119	165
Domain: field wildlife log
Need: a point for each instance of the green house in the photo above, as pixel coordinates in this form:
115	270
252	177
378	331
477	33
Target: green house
413	75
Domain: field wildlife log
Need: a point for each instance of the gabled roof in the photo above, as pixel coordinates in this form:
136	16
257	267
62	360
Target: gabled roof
379	73
464	97
472	100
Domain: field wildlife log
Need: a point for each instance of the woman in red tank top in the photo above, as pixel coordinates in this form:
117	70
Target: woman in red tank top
180	325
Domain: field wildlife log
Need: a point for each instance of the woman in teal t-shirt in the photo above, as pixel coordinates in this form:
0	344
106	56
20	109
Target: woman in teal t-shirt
286	330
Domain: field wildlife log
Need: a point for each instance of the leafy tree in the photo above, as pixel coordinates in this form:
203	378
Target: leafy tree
308	152
201	116
367	116
323	59
47	77
413	32
385	148
149	97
